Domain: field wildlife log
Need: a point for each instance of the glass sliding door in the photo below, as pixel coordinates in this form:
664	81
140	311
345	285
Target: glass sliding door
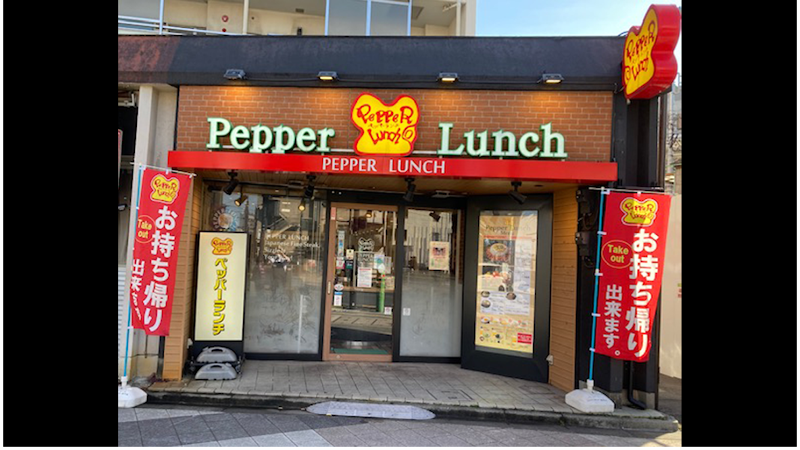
432	283
360	284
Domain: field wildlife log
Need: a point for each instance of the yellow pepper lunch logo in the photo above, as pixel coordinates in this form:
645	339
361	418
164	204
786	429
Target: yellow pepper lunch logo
638	62
164	190
638	213
221	247
385	129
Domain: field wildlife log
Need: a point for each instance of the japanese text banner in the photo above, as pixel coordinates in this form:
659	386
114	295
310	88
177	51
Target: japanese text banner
631	267
162	201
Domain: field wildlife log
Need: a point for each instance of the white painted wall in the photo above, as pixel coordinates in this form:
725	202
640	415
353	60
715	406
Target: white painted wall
155	130
670	347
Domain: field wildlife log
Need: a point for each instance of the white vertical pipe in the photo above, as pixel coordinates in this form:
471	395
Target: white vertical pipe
327	14
458	17
408	25
369	15
245	16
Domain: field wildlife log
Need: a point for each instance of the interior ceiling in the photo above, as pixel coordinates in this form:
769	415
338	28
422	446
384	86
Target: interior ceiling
425	186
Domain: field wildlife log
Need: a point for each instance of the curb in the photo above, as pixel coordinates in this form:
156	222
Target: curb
616	420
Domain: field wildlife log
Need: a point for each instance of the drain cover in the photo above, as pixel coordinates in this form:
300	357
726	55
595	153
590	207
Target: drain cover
371	410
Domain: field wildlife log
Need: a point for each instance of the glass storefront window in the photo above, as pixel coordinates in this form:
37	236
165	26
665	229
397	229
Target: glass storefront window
432	285
285	267
506	282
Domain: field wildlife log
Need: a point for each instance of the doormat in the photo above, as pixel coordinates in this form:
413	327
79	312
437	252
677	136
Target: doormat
356	351
371	410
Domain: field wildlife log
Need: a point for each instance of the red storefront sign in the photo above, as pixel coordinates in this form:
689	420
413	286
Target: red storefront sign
631	267
518	169
162	201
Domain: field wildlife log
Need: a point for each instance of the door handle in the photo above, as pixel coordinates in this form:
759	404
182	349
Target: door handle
329	287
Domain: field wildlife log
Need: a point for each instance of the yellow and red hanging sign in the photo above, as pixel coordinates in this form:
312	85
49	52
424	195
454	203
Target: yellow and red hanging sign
631	268
385	129
648	65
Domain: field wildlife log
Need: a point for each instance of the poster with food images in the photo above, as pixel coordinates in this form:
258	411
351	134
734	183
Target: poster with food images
506	274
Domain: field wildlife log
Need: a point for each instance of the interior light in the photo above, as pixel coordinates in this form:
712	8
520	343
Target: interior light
328	76
448	77
302	206
239	201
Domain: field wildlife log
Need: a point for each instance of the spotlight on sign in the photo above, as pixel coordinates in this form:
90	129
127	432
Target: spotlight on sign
235	74
551	78
447	77
328	76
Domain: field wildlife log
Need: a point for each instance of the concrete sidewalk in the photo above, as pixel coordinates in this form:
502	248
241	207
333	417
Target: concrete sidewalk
445	389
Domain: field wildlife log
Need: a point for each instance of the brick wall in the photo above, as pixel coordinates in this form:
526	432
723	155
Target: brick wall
584	118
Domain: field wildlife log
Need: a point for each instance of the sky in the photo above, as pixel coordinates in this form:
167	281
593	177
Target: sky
563	18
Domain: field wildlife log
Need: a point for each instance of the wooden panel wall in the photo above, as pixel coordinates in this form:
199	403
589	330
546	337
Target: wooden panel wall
563	289
180	328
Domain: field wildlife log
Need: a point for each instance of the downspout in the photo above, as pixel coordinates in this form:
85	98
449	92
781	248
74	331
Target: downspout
632	400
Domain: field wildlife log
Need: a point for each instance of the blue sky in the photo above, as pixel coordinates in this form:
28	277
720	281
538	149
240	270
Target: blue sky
563	18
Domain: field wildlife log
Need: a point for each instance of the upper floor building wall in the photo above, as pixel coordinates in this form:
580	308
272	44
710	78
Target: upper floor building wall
300	17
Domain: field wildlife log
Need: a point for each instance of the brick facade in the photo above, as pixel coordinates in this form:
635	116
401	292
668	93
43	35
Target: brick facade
584	118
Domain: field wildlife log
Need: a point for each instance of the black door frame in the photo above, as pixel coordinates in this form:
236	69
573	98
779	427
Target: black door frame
534	368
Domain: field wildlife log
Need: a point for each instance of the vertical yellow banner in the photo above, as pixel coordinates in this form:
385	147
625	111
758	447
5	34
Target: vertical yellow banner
221	267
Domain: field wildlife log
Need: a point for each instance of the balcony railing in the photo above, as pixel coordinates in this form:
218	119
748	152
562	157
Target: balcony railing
142	25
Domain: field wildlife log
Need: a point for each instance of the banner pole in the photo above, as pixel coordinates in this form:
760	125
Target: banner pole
588	400
597	274
128	328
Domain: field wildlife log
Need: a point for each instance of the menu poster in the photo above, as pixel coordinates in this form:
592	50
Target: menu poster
439	255
507	264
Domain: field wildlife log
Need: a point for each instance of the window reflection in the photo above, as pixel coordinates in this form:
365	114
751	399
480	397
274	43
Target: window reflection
431	321
282	304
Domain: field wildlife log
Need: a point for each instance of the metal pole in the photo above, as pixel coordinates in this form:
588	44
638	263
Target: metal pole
369	15
161	17
128	326
408	24
603	193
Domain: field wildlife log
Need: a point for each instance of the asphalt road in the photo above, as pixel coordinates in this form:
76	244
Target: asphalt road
153	425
